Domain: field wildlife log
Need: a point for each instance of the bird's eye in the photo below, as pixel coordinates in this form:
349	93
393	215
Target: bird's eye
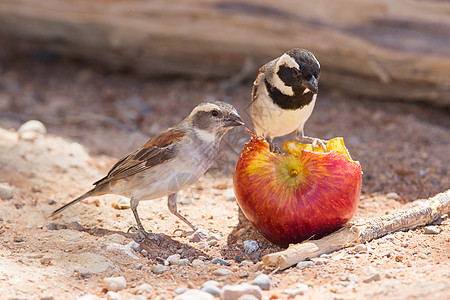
215	113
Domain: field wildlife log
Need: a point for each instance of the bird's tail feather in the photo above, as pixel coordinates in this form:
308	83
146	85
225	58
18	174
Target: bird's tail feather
98	190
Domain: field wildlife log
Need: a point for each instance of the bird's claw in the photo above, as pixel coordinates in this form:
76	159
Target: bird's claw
142	235
314	142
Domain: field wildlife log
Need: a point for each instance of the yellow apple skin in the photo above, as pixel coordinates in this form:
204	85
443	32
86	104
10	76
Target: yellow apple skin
291	198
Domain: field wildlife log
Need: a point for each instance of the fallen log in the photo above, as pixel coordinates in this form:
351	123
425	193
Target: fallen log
382	49
351	235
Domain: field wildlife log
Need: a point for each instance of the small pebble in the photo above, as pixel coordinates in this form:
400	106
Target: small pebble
88	297
185	200
110	295
31	130
135	246
422	255
431	230
389	238
320	261
305	264
203	245
229	195
250	246
181	290
222	272
351	278
211	282
247	297
198	263
233	292
199	235
6	191
159	269
299	291
417	203
174	257
247	263
360	248
142	289
263	281
123	202
46	261
372	277
115	283
221	262
404	244
144	252
46	297
194	295
18	239
392	195
211	289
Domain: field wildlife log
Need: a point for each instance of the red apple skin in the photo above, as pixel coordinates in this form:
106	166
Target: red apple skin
289	199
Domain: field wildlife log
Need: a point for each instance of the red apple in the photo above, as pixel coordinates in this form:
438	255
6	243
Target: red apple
293	197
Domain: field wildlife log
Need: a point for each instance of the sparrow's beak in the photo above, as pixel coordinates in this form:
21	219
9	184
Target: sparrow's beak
233	120
312	84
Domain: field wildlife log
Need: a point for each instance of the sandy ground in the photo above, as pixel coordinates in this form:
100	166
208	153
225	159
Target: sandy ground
93	118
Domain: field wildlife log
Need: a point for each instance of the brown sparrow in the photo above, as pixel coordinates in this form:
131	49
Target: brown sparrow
169	162
284	94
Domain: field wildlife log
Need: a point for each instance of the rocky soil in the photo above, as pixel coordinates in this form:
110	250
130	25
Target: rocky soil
93	118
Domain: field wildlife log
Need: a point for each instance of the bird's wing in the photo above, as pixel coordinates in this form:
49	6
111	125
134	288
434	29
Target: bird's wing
256	85
156	151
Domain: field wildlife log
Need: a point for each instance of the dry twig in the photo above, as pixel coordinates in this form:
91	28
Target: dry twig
351	235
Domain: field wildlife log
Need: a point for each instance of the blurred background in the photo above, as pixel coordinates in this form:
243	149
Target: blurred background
110	74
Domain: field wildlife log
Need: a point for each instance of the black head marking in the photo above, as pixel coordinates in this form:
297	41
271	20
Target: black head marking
297	101
307	62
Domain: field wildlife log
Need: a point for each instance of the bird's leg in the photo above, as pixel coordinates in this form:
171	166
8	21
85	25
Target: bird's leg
272	146
310	140
172	204
142	233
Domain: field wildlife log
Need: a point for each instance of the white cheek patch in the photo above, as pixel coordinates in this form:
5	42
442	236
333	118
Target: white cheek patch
288	61
205	136
285	60
306	91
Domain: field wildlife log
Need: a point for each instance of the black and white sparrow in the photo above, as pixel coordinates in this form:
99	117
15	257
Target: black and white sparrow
284	94
169	162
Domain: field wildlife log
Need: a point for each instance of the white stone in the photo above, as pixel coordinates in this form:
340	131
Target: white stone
31	130
143	288
305	264
123	202
159	269
6	191
115	283
110	295
222	272
263	281
229	195
392	195
194	295
233	292
250	246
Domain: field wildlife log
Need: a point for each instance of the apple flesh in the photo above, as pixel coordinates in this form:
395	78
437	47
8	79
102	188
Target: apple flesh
304	194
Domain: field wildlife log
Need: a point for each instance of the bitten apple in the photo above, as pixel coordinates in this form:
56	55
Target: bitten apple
304	194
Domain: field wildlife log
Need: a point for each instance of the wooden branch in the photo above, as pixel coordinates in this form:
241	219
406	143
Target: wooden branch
351	235
378	48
